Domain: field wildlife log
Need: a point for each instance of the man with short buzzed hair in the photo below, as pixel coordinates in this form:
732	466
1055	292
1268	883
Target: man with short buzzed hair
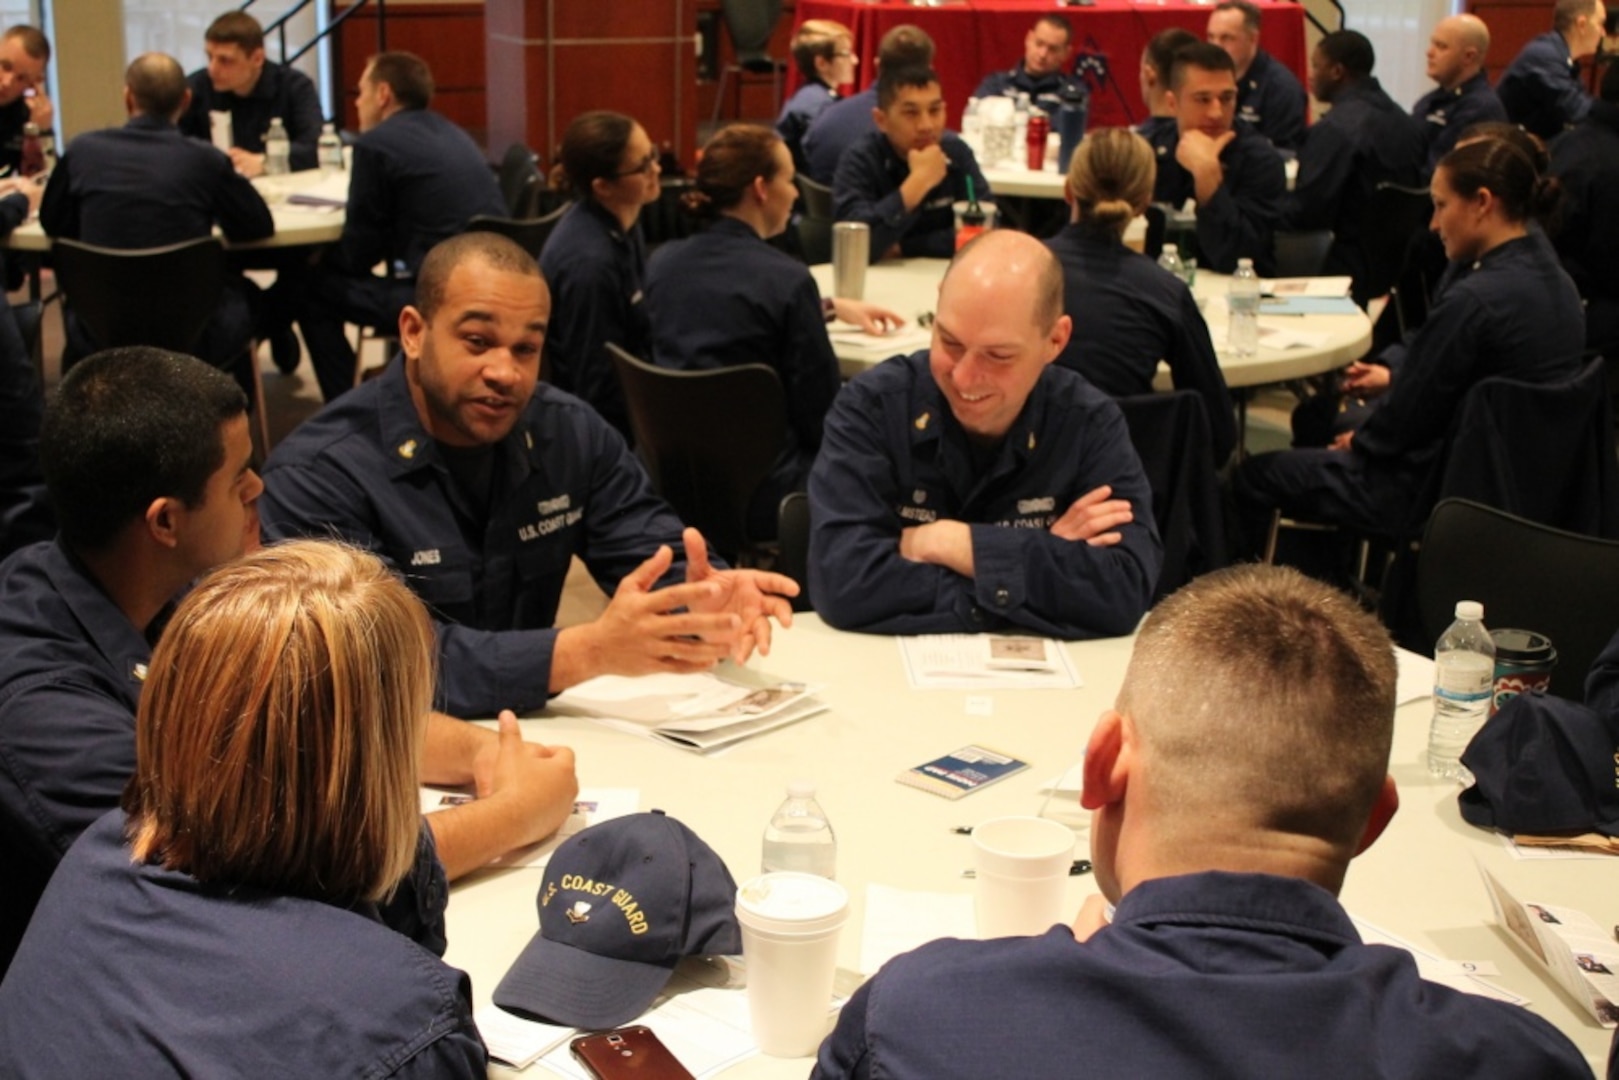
1464	97
1541	88
1042	73
1243	765
1268	95
480	484
1366	139
145	185
1157	61
252	91
417	179
842	123
976	486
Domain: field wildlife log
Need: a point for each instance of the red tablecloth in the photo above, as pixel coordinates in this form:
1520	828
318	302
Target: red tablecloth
980	36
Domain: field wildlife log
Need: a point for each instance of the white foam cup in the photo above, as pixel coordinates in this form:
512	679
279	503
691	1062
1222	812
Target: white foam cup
790	925
1021	866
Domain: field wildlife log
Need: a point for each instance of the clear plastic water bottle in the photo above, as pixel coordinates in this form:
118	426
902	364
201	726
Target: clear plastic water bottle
1243	335
1463	683
330	149
277	149
1170	259
1020	122
799	837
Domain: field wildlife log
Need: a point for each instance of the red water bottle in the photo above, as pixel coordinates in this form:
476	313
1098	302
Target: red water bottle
1039	128
32	161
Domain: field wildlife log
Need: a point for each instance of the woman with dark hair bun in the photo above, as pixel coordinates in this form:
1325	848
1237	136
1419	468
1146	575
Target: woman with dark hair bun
725	297
1505	307
595	261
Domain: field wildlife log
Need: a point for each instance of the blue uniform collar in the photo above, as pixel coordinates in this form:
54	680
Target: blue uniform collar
103	623
148	123
1261	902
408	448
936	433
608	220
730	226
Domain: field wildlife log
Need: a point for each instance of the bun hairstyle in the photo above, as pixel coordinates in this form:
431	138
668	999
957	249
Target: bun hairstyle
731	161
1111	179
592	148
1508	169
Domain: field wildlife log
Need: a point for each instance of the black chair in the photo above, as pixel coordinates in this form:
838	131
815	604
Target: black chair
529	233
666	219
815	223
750	23
520	181
708	439
1170	433
1301	254
162	297
1390	236
792	536
1527	576
1157	226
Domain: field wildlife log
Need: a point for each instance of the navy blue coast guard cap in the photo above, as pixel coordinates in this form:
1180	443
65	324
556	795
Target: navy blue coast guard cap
620	905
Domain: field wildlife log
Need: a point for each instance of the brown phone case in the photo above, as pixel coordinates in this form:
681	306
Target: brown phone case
629	1053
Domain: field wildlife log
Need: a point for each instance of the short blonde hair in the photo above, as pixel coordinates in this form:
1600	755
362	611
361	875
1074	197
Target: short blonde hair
1111	177
280	727
817	39
1264	698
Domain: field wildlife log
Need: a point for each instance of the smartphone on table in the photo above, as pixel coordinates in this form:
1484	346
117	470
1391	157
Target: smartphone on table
628	1053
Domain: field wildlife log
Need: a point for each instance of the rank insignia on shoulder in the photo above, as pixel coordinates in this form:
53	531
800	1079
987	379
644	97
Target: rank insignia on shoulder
922	421
407	449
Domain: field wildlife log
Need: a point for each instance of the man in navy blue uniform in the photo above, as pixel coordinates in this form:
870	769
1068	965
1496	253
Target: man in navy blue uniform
148	461
841	124
480	487
1268	95
1242	767
240	81
1464	97
417	179
24	52
977	486
1586	161
1222	163
904	178
1365	139
1041	73
1541	88
145	185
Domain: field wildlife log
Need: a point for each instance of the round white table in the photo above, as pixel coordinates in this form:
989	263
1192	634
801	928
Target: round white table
295	225
1419	881
910	287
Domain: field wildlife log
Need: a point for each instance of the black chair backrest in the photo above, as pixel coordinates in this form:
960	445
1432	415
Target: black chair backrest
817	197
751	22
1170	433
1301	254
152	296
520	181
1157	225
667	219
529	233
1396	219
814	228
1542	451
708	438
1527	576
792	534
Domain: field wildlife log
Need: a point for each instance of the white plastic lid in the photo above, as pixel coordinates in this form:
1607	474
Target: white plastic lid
1469	609
1245	264
801	789
1170	249
790	902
